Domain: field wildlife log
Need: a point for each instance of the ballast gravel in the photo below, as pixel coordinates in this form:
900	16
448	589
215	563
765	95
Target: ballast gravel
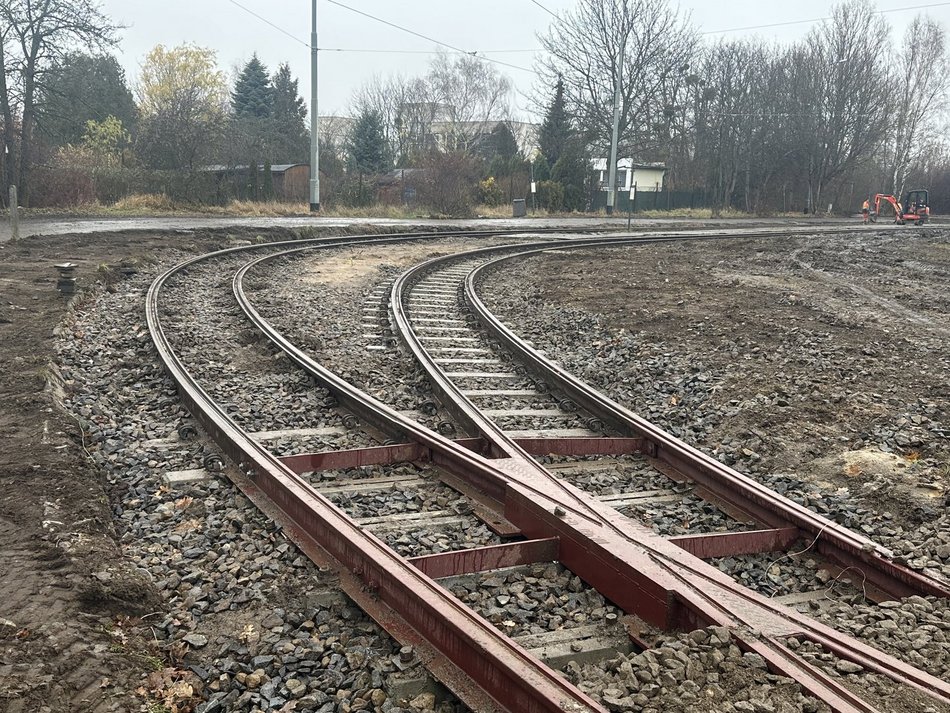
258	627
253	625
766	365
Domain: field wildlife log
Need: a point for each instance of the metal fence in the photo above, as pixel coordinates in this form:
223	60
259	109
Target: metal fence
654	200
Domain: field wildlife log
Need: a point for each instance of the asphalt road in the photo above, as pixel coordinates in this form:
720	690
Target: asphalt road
63	226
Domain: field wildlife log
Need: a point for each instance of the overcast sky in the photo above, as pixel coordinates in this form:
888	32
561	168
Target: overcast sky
483	25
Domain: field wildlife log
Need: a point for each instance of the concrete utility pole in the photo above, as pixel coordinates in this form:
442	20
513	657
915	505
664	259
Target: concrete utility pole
314	120
614	136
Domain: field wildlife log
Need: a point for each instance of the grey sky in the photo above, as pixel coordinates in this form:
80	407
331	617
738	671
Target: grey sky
482	25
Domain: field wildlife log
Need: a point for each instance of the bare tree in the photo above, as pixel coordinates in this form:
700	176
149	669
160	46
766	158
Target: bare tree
37	33
391	98
840	119
477	93
645	45
457	102
921	67
734	115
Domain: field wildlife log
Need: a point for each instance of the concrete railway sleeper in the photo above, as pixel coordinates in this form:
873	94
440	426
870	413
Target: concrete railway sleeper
641	572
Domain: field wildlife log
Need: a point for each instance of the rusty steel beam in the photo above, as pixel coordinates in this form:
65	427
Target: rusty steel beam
482	559
581	446
729	544
837	543
354	458
370	455
484	667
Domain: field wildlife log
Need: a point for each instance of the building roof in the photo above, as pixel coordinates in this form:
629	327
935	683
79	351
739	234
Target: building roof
275	168
600	164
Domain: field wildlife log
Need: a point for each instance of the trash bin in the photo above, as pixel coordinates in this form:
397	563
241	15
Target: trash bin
519	209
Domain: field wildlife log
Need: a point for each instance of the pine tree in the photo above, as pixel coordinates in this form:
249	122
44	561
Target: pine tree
367	146
500	144
267	190
291	139
253	94
556	131
571	172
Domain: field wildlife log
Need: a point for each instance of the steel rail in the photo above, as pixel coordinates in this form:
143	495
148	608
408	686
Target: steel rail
294	498
525	500
497	674
846	547
665	568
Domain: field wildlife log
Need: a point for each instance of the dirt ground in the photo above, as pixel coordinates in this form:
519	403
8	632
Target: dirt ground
71	637
820	357
70	640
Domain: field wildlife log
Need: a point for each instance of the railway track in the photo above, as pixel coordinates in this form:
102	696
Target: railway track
515	408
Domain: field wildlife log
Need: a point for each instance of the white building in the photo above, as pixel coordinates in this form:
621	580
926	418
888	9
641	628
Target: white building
645	176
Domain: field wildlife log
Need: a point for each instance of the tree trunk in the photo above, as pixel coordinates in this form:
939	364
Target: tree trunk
9	137
29	118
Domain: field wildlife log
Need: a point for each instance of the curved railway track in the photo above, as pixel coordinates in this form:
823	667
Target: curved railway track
478	369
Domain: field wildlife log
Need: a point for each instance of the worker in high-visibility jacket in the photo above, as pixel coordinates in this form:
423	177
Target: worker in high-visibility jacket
866	210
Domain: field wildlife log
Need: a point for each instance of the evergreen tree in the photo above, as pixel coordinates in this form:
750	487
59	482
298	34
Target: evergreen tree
542	169
500	146
83	88
267	190
367	146
290	137
253	94
556	131
571	172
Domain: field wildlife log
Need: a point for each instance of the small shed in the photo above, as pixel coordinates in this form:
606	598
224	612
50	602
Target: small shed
291	180
647	177
398	187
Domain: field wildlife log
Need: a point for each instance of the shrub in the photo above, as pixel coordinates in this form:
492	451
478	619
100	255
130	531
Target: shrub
551	196
448	184
489	192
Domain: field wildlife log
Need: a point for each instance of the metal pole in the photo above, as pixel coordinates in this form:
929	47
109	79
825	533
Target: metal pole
630	200
534	194
14	215
614	135
314	120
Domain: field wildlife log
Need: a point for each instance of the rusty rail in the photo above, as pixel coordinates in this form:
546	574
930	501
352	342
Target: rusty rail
484	669
647	574
846	547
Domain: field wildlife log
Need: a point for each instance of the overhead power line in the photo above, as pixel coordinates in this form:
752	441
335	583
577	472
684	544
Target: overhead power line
263	19
821	19
386	51
426	37
547	10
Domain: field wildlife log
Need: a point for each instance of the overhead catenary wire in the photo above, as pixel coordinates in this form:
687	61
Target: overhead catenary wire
481	54
458	50
399	51
546	9
427	38
821	19
263	19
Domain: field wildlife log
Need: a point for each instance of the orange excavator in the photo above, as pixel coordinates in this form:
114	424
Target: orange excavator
915	208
